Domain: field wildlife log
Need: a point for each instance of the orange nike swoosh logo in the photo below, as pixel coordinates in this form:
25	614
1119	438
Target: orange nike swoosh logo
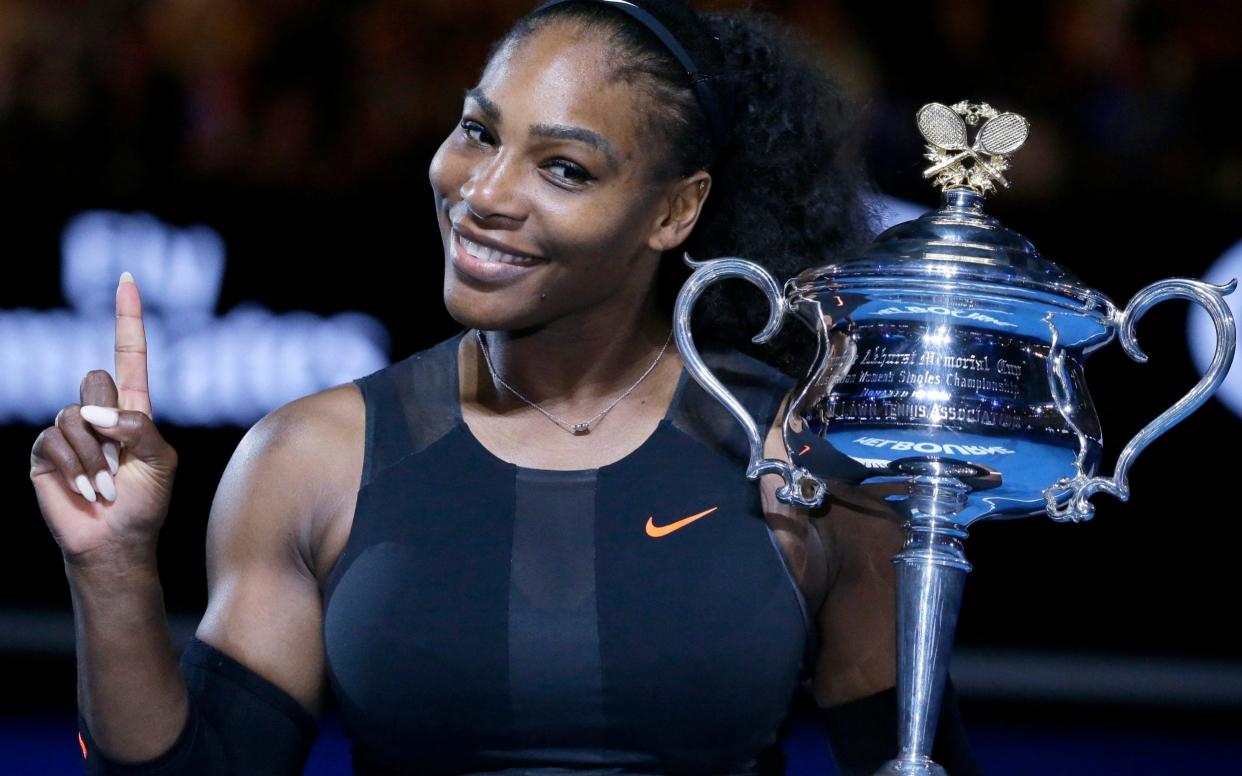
803	450
656	531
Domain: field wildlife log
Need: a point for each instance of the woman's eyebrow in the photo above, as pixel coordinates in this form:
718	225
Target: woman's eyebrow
593	139
489	108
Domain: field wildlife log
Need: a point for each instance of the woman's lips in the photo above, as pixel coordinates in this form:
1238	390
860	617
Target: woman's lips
488	264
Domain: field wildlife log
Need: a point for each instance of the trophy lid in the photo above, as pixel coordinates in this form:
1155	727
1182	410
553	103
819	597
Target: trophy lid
959	243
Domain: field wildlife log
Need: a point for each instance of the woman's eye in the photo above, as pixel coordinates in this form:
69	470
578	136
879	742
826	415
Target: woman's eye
476	132
569	171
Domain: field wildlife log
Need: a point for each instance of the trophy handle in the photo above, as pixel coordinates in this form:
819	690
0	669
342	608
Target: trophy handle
1075	492
801	487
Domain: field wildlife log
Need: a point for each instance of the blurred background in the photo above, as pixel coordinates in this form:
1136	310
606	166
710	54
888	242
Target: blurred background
260	166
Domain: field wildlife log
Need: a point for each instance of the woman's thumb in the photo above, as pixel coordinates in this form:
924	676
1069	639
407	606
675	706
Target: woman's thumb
133	429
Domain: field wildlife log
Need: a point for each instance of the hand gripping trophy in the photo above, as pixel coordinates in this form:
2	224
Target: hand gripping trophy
951	363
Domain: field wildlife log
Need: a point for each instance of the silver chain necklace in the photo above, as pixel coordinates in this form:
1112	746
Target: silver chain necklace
573	428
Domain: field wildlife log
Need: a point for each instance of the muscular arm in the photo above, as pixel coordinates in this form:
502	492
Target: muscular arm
289	477
129	689
857	620
292	474
841	555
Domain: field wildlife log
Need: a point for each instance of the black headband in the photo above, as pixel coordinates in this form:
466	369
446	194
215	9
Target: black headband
698	81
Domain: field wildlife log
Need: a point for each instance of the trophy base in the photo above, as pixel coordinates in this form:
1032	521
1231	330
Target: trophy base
914	766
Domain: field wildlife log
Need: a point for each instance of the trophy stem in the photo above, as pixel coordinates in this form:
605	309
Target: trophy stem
931	573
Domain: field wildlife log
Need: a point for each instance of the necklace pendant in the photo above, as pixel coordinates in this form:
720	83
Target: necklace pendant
577	429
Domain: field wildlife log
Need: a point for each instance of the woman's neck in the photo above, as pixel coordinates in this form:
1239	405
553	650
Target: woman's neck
571	366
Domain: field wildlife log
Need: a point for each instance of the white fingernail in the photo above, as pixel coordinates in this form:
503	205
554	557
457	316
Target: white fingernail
112	454
107	488
84	487
126	277
104	417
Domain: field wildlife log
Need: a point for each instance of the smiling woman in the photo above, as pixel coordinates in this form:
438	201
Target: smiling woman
526	550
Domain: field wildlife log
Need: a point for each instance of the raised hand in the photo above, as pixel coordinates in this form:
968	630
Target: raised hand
102	472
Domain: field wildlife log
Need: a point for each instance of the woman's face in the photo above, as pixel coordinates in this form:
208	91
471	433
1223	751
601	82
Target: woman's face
548	205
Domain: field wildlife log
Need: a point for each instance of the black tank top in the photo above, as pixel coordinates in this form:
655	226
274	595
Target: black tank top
485	617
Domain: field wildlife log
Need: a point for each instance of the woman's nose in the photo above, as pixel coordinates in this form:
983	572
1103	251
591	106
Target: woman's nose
492	190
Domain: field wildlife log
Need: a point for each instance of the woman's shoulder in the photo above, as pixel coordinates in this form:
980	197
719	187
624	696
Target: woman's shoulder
758	385
436	362
326	431
332	415
724	356
294	472
311	448
337	414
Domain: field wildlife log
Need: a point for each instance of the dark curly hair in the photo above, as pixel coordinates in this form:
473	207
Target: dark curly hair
787	184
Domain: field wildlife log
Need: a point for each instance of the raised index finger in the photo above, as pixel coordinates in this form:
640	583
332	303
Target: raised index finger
131	348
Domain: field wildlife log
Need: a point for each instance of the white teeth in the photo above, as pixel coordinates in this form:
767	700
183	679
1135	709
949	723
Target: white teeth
491	254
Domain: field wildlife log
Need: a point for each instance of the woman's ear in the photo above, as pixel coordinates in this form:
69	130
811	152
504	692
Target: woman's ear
683	202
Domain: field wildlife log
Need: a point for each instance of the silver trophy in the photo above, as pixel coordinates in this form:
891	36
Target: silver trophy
950	362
